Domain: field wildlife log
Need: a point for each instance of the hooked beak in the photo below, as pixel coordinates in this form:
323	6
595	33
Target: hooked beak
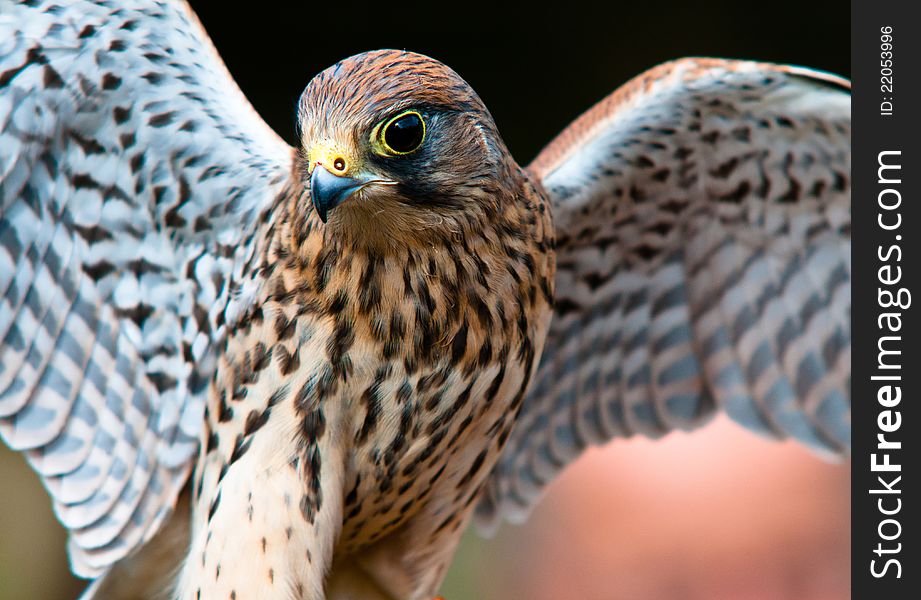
327	191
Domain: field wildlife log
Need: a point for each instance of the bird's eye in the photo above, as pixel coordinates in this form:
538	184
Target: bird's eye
403	133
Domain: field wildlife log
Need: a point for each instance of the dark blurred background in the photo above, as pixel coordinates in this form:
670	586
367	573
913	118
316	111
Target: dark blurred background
712	515
535	68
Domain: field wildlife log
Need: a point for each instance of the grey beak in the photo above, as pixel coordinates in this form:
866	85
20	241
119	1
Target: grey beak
327	191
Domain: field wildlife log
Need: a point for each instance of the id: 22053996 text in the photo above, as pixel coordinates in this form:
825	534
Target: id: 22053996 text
885	70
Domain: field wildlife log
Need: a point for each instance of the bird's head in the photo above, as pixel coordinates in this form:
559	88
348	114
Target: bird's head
396	145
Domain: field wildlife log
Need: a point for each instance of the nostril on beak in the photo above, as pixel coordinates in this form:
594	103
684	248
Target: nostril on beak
339	164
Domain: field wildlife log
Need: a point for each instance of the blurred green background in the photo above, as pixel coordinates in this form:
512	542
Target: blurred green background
718	514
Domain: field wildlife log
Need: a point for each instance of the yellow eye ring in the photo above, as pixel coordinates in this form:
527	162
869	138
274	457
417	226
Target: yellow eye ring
399	135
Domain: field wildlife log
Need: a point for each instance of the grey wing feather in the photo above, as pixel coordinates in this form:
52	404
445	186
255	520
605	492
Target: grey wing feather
703	223
133	174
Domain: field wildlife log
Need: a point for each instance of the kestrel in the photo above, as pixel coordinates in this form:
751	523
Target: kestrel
245	370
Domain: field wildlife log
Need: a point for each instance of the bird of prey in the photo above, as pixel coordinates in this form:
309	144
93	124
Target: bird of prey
246	370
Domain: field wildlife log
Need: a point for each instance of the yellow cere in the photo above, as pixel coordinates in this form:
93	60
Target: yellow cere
338	159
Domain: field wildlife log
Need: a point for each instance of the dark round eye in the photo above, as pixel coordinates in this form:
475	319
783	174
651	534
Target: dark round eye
404	133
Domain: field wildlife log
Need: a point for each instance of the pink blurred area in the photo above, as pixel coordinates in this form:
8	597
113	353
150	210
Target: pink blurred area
716	514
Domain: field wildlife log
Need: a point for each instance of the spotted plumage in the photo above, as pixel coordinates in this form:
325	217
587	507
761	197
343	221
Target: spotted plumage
411	341
326	358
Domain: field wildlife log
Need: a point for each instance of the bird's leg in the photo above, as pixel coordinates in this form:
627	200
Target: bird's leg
268	529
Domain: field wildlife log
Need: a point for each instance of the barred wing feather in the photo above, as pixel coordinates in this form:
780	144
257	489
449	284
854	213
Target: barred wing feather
703	249
132	175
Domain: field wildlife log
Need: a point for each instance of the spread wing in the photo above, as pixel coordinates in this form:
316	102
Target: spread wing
703	225
133	173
